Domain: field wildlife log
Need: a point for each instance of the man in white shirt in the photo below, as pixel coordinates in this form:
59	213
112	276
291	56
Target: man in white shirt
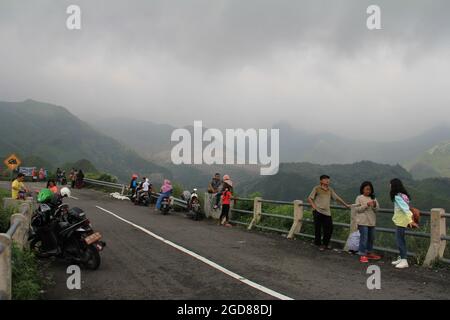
145	187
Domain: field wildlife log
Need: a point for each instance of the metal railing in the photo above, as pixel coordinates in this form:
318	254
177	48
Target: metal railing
107	184
17	234
437	235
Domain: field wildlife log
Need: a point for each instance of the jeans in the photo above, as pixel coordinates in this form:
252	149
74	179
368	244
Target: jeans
367	235
160	198
401	241
324	222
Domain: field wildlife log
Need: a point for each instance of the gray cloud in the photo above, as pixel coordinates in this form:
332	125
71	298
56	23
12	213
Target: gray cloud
235	63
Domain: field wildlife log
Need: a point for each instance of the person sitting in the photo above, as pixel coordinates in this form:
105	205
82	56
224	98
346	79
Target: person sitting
144	188
51	185
48	232
18	188
133	184
214	185
166	191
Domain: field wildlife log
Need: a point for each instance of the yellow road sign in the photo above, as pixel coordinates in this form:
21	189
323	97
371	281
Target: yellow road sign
12	162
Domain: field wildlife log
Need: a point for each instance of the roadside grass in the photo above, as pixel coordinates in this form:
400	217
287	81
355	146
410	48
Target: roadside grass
28	279
5	213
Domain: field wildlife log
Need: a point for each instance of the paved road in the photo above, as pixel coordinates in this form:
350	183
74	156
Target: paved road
142	260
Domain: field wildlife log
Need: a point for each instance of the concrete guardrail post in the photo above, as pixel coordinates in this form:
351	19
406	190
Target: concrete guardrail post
353	224
210	199
298	217
437	230
20	236
5	267
257	212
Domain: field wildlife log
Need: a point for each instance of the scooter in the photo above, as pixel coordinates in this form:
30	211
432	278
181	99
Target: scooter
194	207
165	205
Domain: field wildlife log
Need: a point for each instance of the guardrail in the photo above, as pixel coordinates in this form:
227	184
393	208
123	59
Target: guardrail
112	185
17	233
124	188
437	235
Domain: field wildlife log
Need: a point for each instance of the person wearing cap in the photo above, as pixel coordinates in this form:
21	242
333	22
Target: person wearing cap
133	183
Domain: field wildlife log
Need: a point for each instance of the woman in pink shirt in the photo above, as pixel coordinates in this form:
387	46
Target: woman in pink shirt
226	201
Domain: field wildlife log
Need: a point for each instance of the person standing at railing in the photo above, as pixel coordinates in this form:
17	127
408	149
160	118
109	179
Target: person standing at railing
320	200
366	217
403	217
80	179
226	201
73	177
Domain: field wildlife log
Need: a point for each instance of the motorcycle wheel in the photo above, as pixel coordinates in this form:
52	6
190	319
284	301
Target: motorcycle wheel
92	260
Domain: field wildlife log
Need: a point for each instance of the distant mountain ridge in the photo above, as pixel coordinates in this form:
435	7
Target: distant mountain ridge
52	133
296	180
435	162
152	141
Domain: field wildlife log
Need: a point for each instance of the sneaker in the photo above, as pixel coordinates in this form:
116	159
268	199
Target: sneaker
363	259
372	256
396	262
402	264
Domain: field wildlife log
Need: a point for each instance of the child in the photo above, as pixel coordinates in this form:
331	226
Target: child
402	218
366	208
320	199
51	185
226	200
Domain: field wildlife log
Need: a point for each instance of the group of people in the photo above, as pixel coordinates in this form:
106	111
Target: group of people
222	192
40	175
366	206
76	178
138	189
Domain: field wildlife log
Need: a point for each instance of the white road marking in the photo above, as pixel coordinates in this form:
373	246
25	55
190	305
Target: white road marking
72	197
203	259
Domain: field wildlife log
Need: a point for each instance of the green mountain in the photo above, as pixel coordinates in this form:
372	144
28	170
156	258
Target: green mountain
54	135
296	180
435	162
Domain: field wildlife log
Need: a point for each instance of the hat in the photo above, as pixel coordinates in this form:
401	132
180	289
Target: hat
228	182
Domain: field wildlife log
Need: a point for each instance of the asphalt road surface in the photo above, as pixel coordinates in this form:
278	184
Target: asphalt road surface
151	256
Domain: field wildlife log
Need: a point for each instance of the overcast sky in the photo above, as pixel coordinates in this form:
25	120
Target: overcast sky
243	63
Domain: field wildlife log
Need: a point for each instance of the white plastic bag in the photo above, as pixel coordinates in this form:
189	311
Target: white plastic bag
353	241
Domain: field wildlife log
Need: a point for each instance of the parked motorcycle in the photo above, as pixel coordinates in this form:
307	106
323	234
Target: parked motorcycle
143	200
76	241
165	205
194	207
